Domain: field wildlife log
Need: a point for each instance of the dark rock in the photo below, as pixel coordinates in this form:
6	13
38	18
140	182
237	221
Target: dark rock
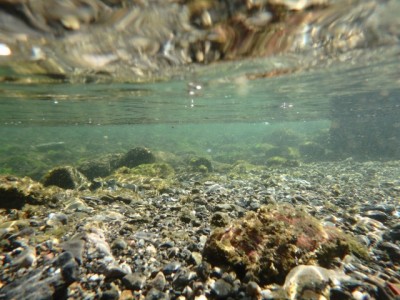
119	244
376	215
182	279
109	295
62	259
16	192
200	164
394	233
136	157
69	272
221	289
66	177
392	250
101	167
220	219
115	272
203	270
171	268
134	281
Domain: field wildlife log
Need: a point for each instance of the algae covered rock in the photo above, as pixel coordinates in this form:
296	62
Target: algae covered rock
100	167
136	157
66	178
200	164
265	245
16	192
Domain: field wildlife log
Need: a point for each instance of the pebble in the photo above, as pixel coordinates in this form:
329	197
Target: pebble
159	281
134	281
376	215
221	289
115	272
119	244
310	282
171	268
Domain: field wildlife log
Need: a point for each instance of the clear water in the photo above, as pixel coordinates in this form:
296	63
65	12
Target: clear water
226	112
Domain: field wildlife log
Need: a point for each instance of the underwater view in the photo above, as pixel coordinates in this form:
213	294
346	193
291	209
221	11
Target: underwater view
199	149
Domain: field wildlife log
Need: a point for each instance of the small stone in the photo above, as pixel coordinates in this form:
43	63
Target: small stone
171	268
310	282
109	295
221	289
134	281
220	219
253	289
159	281
57	219
203	270
119	244
376	215
182	279
115	272
151	250
196	257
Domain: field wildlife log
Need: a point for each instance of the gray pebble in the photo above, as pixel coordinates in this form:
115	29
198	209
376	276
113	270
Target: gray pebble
221	289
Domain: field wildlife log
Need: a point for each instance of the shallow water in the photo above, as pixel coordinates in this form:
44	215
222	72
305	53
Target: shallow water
227	112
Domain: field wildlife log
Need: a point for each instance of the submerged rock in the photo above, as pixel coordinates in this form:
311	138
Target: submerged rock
200	164
265	245
136	157
66	177
100	167
16	192
311	282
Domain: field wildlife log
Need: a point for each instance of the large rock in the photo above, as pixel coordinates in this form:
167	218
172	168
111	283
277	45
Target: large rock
100	167
265	245
136	157
66	177
16	192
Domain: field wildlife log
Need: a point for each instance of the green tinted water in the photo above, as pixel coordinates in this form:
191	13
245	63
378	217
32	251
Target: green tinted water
227	112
